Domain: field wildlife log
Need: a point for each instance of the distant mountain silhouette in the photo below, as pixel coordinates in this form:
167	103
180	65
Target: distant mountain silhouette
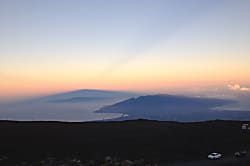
87	95
174	108
78	99
78	105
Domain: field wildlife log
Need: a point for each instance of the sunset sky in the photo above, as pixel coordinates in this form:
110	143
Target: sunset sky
50	46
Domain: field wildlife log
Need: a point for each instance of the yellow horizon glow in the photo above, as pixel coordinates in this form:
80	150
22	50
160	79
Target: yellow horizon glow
137	76
153	70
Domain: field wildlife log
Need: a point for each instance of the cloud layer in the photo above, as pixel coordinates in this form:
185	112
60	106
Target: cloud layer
237	87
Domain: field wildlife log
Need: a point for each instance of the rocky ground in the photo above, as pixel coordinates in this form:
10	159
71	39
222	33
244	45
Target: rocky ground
52	161
138	142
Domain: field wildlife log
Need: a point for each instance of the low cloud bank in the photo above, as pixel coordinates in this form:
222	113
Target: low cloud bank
238	87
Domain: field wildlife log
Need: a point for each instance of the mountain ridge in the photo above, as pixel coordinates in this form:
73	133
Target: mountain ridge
174	108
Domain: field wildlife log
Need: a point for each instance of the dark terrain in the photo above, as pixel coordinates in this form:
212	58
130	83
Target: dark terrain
175	108
165	143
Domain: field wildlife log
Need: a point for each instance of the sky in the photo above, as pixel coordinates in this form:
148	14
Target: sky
49	46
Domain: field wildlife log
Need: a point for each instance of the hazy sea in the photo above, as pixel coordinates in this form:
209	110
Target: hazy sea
49	111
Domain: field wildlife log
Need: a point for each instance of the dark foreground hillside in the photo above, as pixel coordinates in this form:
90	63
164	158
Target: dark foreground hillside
156	142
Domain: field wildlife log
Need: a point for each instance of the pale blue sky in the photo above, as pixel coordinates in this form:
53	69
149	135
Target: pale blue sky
92	25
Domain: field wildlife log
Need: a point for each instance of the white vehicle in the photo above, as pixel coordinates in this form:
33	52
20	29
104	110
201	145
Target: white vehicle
245	126
240	153
214	156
